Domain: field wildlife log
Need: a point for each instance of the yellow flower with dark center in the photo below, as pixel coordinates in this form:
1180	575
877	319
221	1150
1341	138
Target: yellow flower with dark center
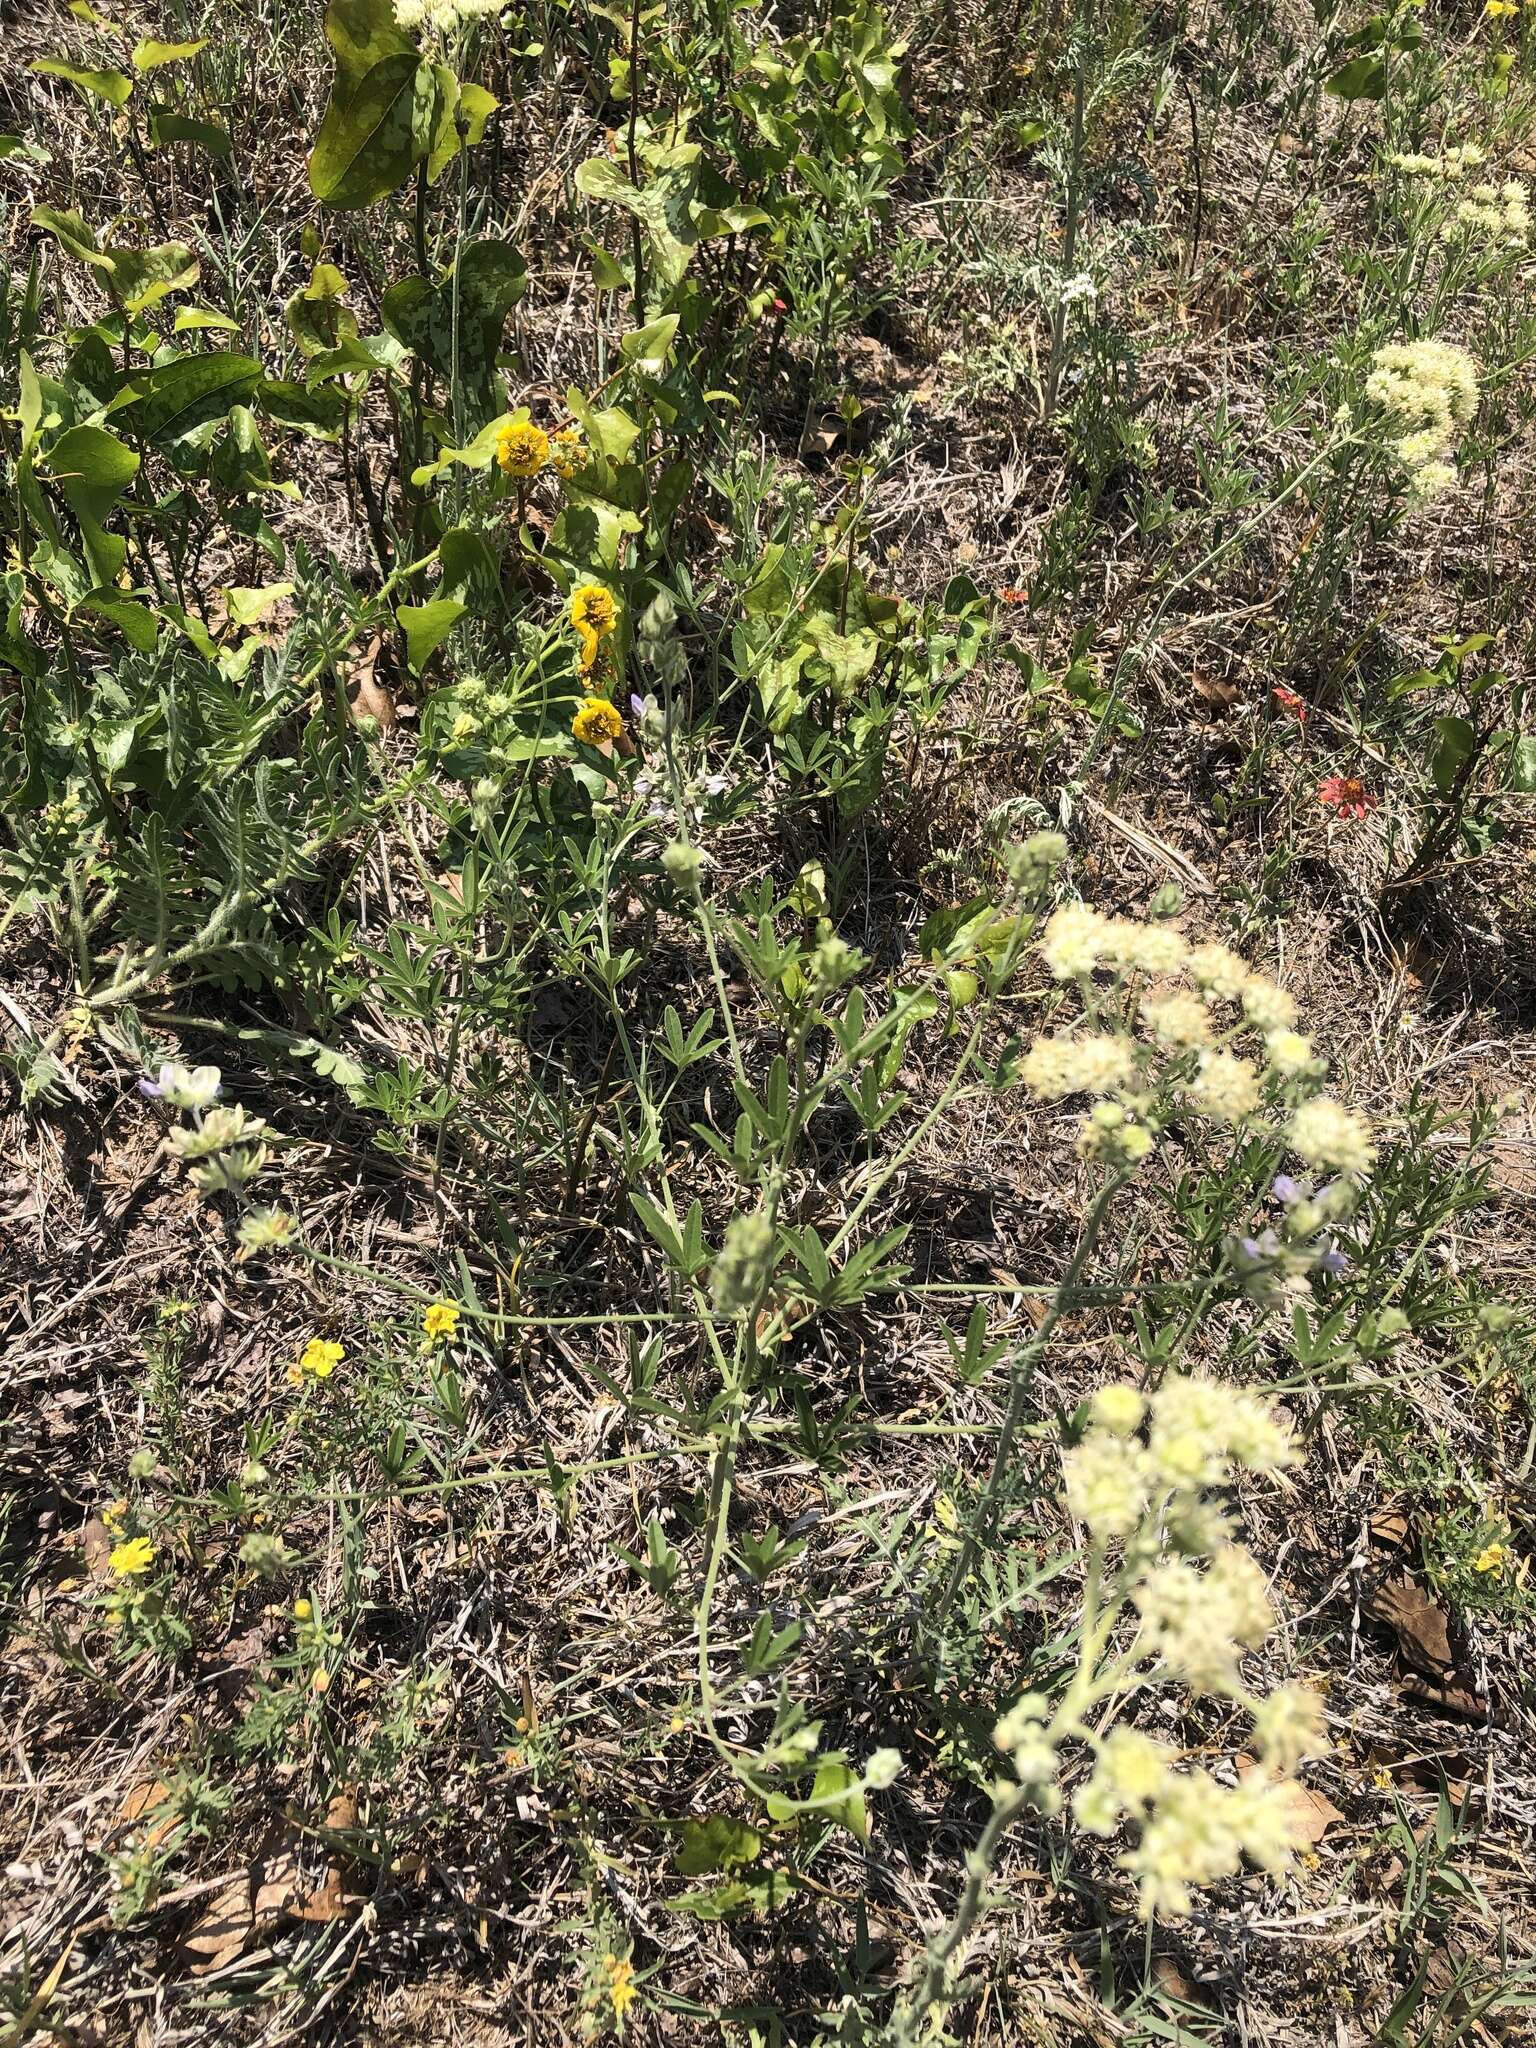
594	610
132	1559
522	449
597	720
441	1322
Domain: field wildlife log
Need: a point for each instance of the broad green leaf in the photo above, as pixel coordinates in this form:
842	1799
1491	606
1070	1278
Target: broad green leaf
663	204
244	606
150	55
1362	78
476	107
363	33
197	319
319	413
488	280
1522	765
835	1794
647	349
142	277
110	86
1455	739
178	396
370	142
71	232
426	627
92	469
136	622
760	1895
718	1843
209	135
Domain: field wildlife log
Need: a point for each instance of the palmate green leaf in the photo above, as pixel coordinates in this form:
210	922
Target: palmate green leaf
177	397
370	142
110	86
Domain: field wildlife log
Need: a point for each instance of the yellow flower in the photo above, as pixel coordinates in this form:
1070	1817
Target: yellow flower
302	1610
622	1990
567	451
441	1321
317	1361
594	610
113	1517
522	449
1498	9
133	1558
597	720
1492	1558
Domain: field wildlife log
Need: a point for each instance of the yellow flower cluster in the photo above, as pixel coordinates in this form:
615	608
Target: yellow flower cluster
522	449
1428	392
594	612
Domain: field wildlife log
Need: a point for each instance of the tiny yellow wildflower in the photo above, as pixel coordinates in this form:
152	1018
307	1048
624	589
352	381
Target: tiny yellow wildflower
1492	1559
1498	10
114	1516
441	1322
597	720
317	1361
622	1989
522	449
302	1610
594	609
567	451
132	1559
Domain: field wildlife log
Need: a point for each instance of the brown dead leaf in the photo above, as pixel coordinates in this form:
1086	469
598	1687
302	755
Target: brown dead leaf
327	1903
1420	1624
222	1932
96	1542
367	696
1309	1813
1215	692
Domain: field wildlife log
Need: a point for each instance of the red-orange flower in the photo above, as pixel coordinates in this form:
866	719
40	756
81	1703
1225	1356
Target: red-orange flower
1008	595
1288	700
1347	795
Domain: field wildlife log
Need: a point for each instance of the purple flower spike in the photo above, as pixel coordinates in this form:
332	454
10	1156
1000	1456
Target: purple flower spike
1286	1190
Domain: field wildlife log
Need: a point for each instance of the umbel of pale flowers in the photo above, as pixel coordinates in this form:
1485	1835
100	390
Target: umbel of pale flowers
1170	1599
1185	1033
1426	393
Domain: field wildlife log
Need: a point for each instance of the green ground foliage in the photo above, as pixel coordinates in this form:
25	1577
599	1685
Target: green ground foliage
767	964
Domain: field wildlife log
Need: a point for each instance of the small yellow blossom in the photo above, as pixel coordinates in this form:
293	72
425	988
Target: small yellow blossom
132	1559
317	1361
594	609
1499	10
1492	1559
622	1989
522	449
567	451
441	1322
302	1610
597	720
114	1516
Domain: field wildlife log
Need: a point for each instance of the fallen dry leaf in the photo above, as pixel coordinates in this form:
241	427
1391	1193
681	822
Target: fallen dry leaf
152	1798
1310	1813
221	1933
366	695
1420	1624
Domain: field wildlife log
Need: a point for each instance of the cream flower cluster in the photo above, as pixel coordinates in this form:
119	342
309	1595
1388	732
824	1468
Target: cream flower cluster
441	17
1140	1477
1185	1065
1499	213
1448	166
1428	393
